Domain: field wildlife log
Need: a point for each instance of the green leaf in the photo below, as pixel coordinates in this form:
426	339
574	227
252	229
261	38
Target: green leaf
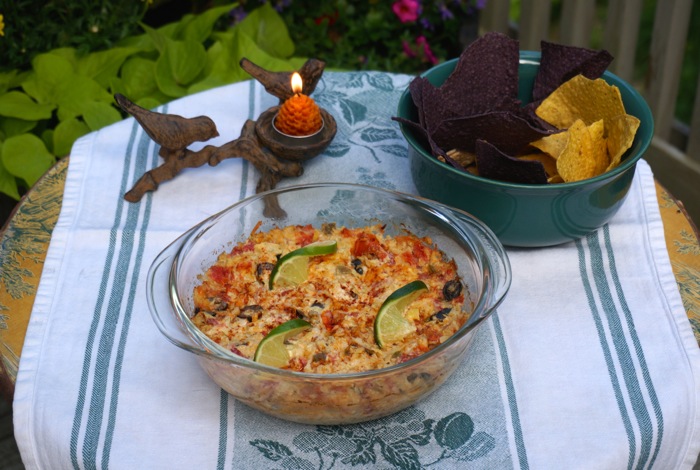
268	30
179	65
66	133
12	79
142	42
76	94
47	139
8	183
98	115
201	26
158	37
50	71
12	126
187	59
165	80
138	78
25	156
222	66
18	105
150	102
103	65
244	46
68	53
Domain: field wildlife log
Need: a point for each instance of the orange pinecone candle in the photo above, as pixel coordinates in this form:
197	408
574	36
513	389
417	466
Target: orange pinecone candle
299	116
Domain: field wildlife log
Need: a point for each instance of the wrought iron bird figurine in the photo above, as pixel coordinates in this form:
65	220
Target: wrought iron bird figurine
173	133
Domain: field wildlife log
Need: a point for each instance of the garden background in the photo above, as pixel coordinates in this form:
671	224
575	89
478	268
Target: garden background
59	70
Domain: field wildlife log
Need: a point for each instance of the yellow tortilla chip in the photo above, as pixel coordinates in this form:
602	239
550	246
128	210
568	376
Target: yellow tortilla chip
585	155
550	165
553	145
620	131
581	98
598	147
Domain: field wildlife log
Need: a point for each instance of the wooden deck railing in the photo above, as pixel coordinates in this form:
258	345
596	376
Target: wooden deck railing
675	152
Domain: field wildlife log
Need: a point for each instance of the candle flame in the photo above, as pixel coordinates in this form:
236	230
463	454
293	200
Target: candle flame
297	84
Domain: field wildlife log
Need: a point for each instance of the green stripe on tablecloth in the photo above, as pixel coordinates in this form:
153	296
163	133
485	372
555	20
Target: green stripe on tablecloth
510	391
223	429
644	369
607	354
624	355
82	390
631	360
127	319
112	316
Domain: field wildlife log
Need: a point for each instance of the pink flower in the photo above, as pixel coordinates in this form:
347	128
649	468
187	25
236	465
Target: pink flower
407	49
427	52
406	10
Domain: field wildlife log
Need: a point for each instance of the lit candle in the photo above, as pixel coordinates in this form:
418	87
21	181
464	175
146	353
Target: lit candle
299	115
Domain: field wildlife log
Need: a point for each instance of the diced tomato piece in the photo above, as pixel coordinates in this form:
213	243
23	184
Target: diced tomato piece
220	274
367	244
305	235
243	248
419	251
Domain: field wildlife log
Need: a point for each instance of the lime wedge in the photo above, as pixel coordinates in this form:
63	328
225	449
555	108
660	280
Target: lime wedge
390	324
271	351
292	269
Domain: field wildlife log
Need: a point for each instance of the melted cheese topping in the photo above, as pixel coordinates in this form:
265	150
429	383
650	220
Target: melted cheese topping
341	297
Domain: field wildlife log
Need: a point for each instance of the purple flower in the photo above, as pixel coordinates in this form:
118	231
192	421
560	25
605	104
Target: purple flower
445	12
238	14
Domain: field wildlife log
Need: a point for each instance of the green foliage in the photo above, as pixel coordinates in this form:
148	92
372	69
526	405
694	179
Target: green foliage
85	25
67	93
369	35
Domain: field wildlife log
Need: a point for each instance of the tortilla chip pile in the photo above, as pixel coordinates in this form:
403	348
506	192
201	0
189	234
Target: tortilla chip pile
575	127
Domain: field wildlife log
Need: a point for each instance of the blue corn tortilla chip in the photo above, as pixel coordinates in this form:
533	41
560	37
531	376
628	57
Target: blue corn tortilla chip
559	63
424	138
504	130
494	164
485	78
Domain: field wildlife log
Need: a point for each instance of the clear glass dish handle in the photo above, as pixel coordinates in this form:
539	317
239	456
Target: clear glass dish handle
497	270
157	295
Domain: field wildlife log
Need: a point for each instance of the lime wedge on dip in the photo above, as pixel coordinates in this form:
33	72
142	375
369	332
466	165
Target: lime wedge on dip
292	269
390	323
271	351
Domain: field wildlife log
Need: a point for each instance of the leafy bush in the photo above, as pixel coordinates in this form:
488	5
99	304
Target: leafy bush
34	26
68	93
406	36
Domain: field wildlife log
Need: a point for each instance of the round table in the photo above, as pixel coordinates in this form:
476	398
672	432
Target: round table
25	238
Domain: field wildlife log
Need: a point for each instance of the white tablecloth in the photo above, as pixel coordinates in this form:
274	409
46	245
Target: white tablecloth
589	363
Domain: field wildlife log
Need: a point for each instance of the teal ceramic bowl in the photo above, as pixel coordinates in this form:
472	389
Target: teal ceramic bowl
528	215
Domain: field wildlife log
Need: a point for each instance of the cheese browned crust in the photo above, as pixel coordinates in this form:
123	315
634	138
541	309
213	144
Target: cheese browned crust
341	297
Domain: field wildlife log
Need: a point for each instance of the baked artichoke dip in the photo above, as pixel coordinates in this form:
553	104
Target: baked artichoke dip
338	298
